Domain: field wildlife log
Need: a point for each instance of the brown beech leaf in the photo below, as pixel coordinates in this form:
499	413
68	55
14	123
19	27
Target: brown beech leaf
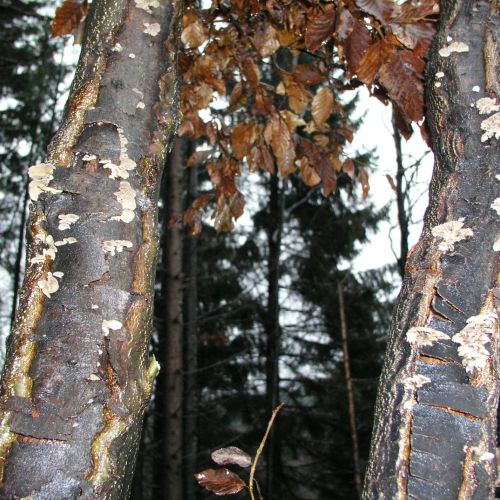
199	157
242	138
356	46
344	25
251	72
308	74
266	40
365	185
401	122
231	456
348	168
417	36
391	182
238	97
322	105
236	207
308	173
326	171
320	26
376	55
402	77
383	10
194	34
68	17
282	146
220	481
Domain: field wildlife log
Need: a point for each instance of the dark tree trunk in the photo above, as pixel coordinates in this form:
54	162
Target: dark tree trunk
400	202
173	352
191	351
77	374
273	328
435	424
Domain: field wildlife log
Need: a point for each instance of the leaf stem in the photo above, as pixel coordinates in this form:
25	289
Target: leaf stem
259	450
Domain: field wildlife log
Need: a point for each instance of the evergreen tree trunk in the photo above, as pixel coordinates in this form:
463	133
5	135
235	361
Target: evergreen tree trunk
173	343
191	351
435	423
77	375
273	327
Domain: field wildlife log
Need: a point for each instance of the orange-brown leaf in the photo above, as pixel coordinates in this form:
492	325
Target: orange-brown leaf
308	173
376	55
308	74
236	207
383	10
282	146
322	105
365	185
68	17
266	40
326	171
348	168
402	77
242	138
220	481
251	72
344	25
320	26
194	34
356	46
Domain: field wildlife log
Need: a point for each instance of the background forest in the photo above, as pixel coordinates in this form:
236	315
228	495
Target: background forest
271	311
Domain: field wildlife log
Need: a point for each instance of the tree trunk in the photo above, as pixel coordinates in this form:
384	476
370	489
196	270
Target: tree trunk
349	390
273	327
77	374
191	351
172	403
400	202
435	423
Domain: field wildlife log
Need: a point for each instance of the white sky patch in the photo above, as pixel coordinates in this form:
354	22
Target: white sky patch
449	233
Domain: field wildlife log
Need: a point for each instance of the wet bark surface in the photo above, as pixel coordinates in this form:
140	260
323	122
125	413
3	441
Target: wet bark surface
78	373
435	428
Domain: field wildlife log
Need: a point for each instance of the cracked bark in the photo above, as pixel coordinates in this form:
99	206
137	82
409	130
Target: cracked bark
435	430
78	374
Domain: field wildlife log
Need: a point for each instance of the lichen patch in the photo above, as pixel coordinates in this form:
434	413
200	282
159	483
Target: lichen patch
422	336
152	29
487	105
49	285
126	197
116	246
473	338
41	175
66	221
449	233
453	47
491	127
117	47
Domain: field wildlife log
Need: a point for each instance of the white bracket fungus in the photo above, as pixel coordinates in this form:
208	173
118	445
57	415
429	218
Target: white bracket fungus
115	246
496	245
49	285
49	250
126	163
41	175
417	381
473	338
491	127
126	196
110	324
65	241
453	47
496	205
66	220
422	335
450	233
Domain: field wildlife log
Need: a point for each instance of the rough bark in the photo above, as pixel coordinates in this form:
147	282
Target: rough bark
349	389
273	327
191	351
77	375
435	424
173	341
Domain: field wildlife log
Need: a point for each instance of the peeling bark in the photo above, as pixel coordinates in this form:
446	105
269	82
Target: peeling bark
435	423
78	374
